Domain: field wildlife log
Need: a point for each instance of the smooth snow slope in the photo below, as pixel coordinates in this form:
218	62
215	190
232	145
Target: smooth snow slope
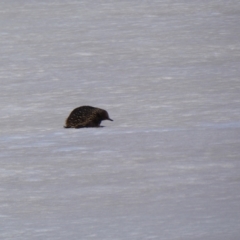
168	74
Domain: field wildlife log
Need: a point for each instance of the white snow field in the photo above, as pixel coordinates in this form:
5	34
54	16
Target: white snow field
168	167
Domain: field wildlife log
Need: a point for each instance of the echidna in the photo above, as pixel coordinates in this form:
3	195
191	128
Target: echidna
86	116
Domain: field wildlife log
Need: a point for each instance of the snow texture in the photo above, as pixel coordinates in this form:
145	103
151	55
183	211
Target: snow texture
167	72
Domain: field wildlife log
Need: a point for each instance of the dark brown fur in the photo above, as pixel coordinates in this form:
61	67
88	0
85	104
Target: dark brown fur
86	116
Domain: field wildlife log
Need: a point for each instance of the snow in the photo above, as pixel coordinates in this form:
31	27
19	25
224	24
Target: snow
167	167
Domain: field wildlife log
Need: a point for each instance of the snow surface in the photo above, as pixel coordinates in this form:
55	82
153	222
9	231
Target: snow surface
167	72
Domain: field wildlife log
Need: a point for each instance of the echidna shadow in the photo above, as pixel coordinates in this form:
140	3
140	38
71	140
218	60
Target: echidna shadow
86	116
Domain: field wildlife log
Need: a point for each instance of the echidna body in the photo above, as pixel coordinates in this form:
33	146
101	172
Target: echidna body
86	116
